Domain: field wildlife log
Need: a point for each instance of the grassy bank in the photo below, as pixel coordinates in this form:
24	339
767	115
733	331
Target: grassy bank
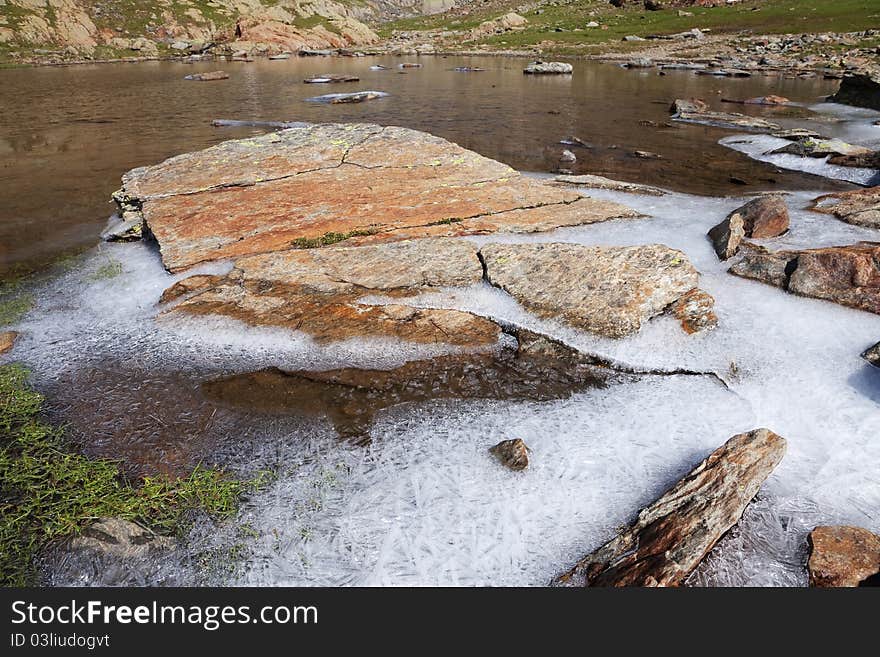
49	492
758	16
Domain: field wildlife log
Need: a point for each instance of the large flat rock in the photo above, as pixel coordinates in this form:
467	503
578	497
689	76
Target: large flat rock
671	536
319	184
317	291
848	275
611	291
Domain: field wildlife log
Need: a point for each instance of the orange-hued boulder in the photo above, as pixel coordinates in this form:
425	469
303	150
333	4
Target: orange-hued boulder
325	183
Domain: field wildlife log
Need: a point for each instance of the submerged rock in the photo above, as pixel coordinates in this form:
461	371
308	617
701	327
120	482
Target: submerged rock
208	77
512	453
760	100
861	89
696	111
7	341
672	535
872	355
350	398
600	182
354	97
120	538
611	291
848	275
548	68
317	185
843	557
860	207
331	78
690	106
317	291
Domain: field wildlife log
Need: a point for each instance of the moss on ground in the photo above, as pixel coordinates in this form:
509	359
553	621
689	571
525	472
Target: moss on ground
329	238
49	492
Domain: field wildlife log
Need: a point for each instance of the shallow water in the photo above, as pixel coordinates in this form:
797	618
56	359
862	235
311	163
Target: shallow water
68	134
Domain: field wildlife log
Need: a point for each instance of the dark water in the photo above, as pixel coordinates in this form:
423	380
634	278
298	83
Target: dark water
68	134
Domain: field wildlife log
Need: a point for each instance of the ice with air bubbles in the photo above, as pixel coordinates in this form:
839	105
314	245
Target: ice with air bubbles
425	503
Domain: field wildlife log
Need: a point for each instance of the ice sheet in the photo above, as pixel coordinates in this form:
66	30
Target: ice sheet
426	504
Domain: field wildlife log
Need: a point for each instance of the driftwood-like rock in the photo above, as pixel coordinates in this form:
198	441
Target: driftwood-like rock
848	275
611	291
672	535
844	557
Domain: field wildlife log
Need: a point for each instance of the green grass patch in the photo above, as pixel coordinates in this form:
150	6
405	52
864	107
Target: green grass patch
14	308
756	16
329	238
49	492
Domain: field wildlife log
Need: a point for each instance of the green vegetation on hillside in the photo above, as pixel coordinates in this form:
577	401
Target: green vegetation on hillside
48	491
758	16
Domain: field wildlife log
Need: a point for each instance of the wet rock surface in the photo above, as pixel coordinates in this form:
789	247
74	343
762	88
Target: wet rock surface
671	536
843	556
513	453
326	183
611	291
848	275
860	207
317	291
